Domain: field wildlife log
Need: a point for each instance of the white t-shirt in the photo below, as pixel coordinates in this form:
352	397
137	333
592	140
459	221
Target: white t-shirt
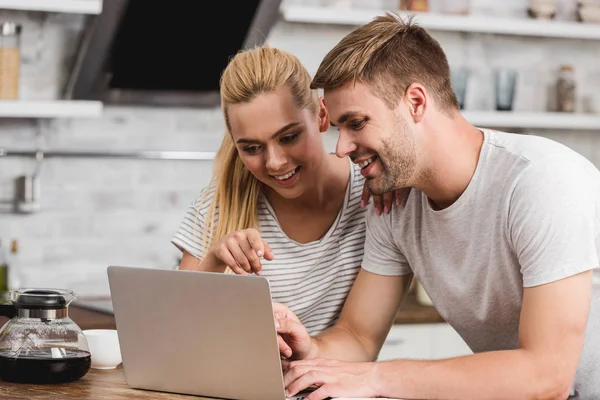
529	216
313	279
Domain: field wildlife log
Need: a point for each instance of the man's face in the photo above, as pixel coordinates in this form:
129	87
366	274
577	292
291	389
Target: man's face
374	136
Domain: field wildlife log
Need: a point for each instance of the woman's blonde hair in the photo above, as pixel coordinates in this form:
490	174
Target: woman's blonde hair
249	73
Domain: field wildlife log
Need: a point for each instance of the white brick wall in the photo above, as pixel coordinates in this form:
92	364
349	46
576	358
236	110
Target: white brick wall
97	212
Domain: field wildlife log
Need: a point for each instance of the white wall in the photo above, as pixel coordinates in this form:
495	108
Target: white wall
97	212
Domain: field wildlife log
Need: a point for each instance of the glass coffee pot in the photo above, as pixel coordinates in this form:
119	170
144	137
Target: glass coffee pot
41	344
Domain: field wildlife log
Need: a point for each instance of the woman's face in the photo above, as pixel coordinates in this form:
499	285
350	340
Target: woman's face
279	143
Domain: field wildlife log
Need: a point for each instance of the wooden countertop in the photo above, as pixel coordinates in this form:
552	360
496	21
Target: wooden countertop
97	384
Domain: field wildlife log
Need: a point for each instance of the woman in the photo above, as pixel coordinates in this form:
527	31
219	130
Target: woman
278	205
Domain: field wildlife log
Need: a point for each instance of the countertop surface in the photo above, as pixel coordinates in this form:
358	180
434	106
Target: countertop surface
97	384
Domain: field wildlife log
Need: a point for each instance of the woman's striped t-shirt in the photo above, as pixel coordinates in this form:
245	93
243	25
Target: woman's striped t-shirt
312	279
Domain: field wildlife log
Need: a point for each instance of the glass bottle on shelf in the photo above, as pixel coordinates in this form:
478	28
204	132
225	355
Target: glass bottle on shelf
3	273
10	60
414	5
14	278
565	89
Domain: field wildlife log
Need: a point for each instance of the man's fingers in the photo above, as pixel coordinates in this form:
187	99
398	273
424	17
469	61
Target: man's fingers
388	198
280	308
281	311
295	372
289	326
285	365
304	380
364	199
315	362
284	349
324	392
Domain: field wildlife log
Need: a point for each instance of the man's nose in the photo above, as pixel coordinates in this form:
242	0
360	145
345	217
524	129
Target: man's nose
344	145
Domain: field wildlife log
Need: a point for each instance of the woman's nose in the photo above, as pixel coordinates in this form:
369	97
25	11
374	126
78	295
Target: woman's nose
275	159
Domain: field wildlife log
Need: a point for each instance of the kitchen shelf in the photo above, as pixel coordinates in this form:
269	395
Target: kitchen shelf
59	6
445	22
50	109
533	120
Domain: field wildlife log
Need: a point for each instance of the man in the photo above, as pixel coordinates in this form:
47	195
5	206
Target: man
501	230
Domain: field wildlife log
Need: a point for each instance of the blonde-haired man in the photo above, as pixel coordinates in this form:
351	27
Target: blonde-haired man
501	229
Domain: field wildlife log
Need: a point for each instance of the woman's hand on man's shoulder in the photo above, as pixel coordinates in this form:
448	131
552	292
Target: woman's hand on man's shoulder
382	203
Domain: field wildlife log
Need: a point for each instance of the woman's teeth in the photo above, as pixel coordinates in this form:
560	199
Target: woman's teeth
286	176
366	162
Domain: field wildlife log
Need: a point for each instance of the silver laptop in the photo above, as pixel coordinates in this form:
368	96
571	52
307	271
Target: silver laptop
197	333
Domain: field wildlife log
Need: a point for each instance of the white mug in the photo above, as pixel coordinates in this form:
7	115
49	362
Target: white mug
104	348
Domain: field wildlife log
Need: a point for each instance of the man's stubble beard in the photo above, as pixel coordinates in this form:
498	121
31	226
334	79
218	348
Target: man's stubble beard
400	154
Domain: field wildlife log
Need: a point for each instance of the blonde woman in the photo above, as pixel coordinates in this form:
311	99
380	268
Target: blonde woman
279	204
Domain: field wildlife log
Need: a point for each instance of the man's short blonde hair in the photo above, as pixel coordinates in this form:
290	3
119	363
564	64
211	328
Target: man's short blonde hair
389	53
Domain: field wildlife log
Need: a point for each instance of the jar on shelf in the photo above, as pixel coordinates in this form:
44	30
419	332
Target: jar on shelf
414	5
542	9
10	60
565	89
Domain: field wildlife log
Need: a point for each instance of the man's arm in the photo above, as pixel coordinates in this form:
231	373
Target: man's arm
553	323
551	334
366	318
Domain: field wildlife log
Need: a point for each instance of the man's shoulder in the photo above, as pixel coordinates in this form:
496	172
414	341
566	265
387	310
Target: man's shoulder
399	214
530	158
529	148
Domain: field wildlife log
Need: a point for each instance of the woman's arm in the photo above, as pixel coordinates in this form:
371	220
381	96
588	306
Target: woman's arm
240	250
208	264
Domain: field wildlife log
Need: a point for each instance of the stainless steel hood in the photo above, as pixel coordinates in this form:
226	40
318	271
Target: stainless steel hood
165	52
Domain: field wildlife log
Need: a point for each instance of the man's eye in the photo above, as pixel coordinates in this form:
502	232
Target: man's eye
357	124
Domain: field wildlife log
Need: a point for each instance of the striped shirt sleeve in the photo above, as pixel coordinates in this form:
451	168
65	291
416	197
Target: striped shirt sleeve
189	235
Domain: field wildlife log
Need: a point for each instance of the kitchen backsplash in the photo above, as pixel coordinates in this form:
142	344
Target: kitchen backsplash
97	212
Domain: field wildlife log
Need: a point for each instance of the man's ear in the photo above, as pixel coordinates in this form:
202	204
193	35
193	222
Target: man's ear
324	121
416	99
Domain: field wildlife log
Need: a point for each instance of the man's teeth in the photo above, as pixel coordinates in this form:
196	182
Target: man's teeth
366	162
286	176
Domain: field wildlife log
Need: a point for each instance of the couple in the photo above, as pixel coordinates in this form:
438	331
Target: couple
501	229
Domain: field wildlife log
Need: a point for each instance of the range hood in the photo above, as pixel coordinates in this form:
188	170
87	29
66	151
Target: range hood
165	52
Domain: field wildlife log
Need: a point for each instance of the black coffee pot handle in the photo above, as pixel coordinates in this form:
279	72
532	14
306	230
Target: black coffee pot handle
8	310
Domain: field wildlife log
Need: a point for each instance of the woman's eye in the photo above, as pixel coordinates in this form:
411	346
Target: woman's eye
289	138
251	149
